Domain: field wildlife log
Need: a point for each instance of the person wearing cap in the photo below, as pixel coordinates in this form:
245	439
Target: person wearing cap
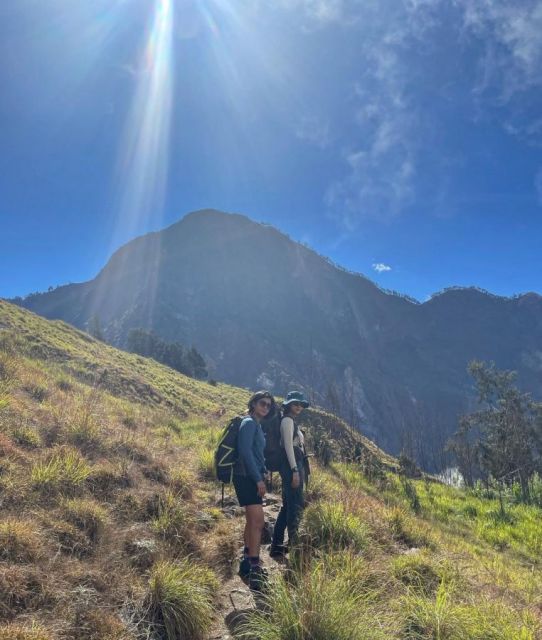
249	483
291	473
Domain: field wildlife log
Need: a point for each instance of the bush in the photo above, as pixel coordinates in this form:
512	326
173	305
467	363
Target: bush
63	471
180	599
329	525
19	541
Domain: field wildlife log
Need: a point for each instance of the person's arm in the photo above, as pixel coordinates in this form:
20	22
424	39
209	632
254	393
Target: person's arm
287	435
245	441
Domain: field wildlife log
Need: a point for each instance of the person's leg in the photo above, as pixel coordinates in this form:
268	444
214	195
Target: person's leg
254	527
280	524
296	504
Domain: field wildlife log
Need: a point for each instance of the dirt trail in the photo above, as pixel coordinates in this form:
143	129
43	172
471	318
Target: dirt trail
234	598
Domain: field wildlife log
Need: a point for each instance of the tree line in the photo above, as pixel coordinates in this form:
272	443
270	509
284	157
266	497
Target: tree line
148	344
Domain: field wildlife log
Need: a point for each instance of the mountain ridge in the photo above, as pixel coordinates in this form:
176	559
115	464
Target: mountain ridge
267	311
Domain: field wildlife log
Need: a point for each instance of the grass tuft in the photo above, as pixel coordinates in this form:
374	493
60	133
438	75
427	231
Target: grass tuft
88	516
62	471
331	526
180	599
18	632
325	604
20	541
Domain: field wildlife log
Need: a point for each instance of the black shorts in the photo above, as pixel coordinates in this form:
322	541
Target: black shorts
246	491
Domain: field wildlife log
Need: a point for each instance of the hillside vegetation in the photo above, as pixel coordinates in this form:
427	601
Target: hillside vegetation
112	527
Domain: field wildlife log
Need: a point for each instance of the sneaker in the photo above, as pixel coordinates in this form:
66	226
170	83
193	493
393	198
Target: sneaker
278	550
258	578
244	570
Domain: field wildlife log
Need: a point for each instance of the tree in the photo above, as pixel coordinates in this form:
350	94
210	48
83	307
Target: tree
173	354
508	429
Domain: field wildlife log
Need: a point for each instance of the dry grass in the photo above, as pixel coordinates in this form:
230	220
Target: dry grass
20	541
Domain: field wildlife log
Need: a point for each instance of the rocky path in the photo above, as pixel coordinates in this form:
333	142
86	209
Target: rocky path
235	599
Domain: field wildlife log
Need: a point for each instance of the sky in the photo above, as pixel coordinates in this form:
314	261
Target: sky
401	138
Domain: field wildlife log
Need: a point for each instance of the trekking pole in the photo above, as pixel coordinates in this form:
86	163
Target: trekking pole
222	501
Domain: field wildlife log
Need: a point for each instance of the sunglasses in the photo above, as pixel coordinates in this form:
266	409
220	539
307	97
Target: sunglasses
264	403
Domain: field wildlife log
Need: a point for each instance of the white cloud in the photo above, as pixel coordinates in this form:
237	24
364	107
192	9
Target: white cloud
538	185
381	267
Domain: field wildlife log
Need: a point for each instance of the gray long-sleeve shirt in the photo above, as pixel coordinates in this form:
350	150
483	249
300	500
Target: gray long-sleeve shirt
251	446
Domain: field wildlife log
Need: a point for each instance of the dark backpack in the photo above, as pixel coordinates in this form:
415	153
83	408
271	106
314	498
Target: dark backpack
226	454
274	453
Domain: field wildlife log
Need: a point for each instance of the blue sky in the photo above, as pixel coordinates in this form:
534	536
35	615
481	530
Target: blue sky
401	138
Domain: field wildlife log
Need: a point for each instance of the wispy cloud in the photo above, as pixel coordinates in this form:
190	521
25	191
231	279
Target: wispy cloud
381	267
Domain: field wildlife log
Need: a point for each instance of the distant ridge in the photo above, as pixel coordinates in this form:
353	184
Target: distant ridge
267	311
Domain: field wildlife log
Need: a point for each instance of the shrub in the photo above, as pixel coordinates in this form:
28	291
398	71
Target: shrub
329	525
180	599
88	516
19	541
62	471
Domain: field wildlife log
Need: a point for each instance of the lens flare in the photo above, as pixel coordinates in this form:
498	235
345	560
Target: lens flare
143	163
142	167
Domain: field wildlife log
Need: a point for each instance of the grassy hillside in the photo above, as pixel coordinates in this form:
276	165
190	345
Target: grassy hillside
111	525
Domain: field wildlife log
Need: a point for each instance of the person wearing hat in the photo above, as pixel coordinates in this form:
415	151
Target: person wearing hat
291	473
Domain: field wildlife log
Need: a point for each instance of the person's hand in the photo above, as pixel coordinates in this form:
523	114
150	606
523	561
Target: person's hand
295	480
260	486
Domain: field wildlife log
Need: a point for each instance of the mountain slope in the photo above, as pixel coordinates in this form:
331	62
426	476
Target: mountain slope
111	525
268	312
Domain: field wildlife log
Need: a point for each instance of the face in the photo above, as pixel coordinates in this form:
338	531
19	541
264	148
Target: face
296	408
261	408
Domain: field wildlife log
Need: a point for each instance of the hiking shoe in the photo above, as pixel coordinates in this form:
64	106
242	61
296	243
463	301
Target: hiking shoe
258	577
244	570
278	550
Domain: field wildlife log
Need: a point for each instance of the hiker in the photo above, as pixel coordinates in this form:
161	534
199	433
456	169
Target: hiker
292	473
249	482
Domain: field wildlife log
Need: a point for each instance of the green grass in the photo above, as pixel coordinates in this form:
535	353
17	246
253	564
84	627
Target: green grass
62	471
179	599
331	526
322	604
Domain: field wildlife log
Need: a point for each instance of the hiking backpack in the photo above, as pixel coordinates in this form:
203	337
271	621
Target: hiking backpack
274	454
226	454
